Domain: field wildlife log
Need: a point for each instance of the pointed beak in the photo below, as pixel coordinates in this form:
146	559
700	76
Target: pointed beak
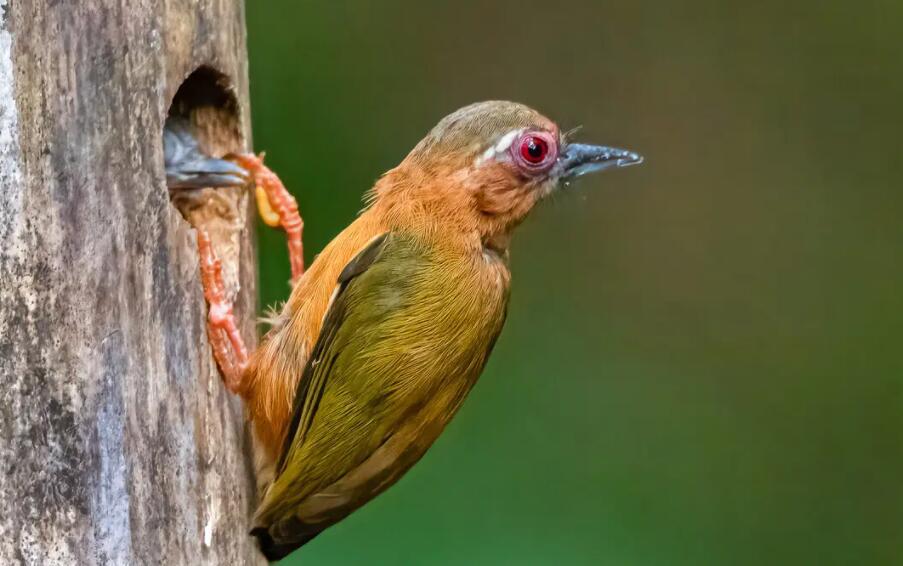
206	172
579	159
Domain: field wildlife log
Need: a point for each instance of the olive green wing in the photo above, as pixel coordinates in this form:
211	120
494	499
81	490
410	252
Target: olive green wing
326	440
316	372
407	333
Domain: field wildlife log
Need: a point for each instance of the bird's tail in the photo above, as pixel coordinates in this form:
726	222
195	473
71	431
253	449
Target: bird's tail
274	549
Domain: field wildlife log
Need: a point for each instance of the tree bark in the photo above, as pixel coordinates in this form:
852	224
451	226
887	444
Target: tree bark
118	443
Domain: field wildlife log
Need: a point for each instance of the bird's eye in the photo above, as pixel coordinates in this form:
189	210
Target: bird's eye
535	152
534	149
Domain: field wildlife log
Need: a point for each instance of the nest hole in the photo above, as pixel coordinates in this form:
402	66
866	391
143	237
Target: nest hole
207	106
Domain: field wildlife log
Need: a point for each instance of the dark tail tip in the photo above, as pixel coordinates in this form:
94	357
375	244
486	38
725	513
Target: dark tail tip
273	550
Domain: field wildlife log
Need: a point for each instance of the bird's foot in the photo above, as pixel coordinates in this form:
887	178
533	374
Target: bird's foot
225	340
277	207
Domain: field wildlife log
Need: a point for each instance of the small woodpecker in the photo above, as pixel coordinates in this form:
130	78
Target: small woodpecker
385	334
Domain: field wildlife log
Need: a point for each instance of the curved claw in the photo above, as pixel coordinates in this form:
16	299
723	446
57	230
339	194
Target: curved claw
277	207
228	347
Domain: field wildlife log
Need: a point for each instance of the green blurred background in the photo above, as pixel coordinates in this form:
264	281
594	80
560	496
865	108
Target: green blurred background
703	362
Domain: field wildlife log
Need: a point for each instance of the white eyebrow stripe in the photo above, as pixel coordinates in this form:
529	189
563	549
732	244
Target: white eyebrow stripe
487	155
501	146
506	141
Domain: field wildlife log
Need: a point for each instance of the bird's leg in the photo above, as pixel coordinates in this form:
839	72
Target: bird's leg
225	340
277	207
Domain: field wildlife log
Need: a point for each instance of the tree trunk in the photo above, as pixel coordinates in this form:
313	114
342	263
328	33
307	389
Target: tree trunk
118	443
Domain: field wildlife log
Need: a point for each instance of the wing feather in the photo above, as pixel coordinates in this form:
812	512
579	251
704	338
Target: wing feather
313	380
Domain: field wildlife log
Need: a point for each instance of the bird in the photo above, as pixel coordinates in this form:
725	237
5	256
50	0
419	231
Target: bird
385	334
187	167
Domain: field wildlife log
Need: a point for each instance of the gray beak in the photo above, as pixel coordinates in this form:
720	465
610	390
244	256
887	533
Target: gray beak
579	159
187	167
205	172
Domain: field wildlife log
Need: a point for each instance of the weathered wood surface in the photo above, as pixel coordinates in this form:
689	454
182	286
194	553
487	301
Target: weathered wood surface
118	444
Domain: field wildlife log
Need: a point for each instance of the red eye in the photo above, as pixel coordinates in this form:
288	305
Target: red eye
534	149
535	152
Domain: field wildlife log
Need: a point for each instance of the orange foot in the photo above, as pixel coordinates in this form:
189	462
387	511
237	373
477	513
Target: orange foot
225	340
277	207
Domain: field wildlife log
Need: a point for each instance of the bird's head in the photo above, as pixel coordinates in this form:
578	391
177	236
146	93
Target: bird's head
484	167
